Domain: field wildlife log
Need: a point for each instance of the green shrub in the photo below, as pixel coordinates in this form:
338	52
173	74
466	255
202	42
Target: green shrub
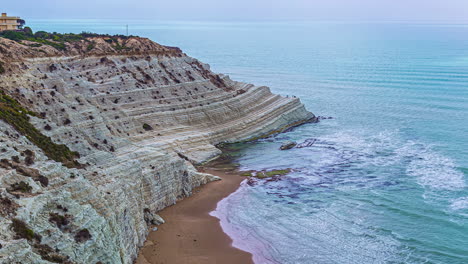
147	127
7	206
47	253
58	40
13	35
59	220
21	186
82	236
28	31
90	47
14	114
22	230
41	34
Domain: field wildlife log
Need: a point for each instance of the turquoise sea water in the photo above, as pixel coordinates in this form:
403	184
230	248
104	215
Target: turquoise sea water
385	180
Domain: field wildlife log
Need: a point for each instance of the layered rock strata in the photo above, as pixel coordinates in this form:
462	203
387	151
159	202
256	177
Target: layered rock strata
138	115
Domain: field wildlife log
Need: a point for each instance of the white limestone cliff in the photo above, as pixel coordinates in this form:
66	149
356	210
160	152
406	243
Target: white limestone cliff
139	117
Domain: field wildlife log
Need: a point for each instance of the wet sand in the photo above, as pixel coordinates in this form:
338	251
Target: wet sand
190	235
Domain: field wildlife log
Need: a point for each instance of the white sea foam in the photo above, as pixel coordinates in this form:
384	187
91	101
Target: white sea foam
377	150
460	204
243	236
338	232
431	169
436	171
274	233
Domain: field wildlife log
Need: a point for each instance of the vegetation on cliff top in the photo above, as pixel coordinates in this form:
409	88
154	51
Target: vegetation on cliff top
14	114
58	40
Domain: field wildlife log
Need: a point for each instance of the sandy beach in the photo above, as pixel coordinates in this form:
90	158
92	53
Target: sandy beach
190	235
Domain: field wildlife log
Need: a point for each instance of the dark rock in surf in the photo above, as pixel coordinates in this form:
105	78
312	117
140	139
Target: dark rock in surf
288	145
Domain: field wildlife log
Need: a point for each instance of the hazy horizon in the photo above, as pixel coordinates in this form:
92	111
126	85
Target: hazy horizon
243	10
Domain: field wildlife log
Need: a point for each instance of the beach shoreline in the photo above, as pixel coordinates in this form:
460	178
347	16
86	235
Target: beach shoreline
191	234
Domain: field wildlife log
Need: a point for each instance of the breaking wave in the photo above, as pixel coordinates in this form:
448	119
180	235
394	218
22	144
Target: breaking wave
335	205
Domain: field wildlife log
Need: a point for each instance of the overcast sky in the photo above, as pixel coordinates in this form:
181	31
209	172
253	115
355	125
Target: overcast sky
244	10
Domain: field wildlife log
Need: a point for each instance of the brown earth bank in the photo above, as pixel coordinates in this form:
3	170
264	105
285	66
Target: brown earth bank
190	235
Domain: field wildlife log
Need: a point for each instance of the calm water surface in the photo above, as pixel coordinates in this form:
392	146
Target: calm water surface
385	179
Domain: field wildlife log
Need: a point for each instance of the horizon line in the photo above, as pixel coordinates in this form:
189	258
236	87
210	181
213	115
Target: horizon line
257	21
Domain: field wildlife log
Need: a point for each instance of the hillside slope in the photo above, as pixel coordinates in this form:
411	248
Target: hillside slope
100	135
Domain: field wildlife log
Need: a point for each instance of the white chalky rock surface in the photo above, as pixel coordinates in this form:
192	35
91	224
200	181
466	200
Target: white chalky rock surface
97	103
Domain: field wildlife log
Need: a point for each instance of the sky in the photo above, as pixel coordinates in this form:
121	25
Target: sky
243	10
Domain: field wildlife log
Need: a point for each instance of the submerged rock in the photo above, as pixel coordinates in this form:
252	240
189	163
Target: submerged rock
323	118
265	173
288	145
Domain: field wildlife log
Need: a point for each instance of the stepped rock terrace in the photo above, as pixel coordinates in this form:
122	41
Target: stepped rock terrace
136	116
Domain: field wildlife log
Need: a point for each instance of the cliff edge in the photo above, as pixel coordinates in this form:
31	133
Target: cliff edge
100	133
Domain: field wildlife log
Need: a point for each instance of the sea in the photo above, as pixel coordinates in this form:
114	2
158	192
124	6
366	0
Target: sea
384	180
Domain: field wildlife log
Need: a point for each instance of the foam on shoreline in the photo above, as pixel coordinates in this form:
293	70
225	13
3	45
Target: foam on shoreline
243	238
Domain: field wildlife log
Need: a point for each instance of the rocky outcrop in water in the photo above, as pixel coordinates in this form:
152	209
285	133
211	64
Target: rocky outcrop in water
98	137
288	145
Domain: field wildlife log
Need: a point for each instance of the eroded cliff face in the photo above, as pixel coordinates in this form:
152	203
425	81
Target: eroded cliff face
138	115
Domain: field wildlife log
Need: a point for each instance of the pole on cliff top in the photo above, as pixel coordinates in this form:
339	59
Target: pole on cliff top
127	30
